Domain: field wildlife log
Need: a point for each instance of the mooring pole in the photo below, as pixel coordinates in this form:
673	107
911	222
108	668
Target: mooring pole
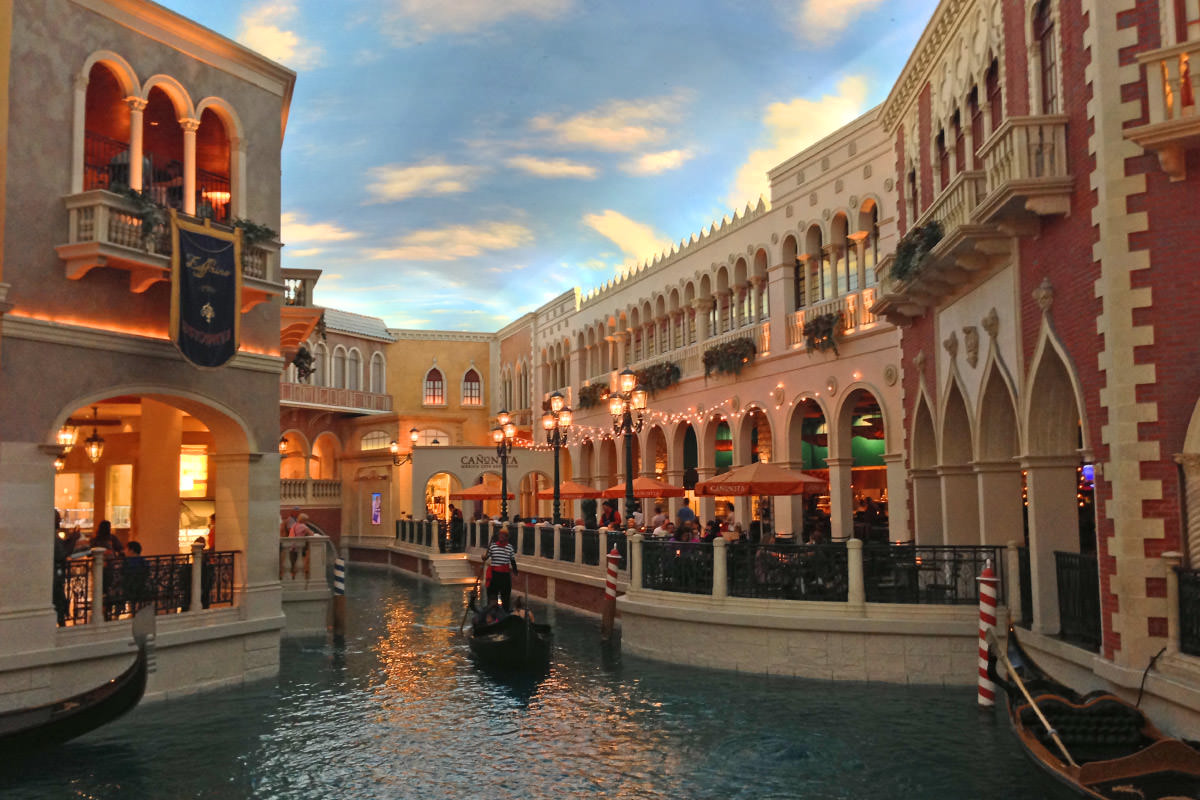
339	596
987	622
610	595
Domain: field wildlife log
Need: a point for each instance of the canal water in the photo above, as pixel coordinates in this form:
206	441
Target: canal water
402	711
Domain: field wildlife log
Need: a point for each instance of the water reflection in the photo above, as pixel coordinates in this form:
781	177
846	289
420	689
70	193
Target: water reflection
400	710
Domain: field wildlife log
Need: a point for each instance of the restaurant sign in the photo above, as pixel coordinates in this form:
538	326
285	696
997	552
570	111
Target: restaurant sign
206	288
485	461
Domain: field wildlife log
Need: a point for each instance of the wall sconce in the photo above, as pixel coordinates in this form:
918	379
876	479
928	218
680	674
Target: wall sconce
283	445
397	459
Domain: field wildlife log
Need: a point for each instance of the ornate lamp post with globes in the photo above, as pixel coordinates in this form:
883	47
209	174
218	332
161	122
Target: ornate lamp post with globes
556	421
503	435
621	405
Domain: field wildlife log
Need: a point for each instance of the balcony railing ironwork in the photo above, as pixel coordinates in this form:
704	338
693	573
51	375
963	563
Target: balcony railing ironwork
1078	599
163	581
929	574
677	567
589	545
788	572
566	544
1189	611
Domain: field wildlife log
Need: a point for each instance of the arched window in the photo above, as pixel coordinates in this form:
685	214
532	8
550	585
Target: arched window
378	370
354	370
339	367
212	169
106	131
432	437
994	96
1043	34
320	376
375	440
976	112
435	388
472	389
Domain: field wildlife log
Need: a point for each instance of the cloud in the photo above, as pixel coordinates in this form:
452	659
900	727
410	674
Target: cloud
309	251
791	127
260	31
411	21
393	182
622	125
636	240
456	242
818	20
295	231
654	163
551	167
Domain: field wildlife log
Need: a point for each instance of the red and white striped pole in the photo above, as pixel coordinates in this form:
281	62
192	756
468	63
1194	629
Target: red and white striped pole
987	621
610	594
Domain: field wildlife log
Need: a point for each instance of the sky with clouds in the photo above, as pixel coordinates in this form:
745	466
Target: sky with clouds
453	164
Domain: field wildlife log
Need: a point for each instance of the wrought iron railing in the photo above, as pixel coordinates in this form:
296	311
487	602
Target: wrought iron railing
621	542
214	194
545	541
788	572
928	574
589	544
1189	611
99	155
1078	577
1025	577
528	541
164	582
677	567
566	544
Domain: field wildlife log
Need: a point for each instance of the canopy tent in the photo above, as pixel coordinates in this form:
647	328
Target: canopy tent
569	490
646	488
480	491
758	478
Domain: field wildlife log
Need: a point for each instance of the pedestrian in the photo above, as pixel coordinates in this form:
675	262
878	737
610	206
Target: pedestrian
502	563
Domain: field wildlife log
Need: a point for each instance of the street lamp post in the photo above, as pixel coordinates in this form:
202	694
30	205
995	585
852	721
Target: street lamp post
503	435
621	405
556	421
394	447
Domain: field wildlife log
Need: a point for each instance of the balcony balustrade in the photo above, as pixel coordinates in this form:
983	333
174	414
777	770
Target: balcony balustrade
353	400
105	230
1026	166
310	491
856	316
1172	87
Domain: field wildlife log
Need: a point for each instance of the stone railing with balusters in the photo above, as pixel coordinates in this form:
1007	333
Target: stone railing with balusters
302	491
955	205
329	397
1026	148
855	309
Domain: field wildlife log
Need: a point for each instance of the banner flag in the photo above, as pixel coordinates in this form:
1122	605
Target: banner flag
206	291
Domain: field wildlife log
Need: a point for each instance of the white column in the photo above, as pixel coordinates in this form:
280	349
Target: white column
237	195
999	496
635	562
136	106
841	498
189	164
856	590
702	307
720	587
960	504
97	586
1051	483
1171	561
1190	546
79	139
897	497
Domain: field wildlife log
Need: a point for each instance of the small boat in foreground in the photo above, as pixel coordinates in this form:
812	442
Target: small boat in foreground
1097	744
513	642
28	729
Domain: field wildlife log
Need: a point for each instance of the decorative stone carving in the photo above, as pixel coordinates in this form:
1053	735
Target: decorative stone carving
735	403
853	201
891	374
775	236
831	385
888	185
971	340
919	360
826	214
852	148
839	186
749	249
778	395
867	171
788	211
824	163
991	323
951	345
1043	295
812	199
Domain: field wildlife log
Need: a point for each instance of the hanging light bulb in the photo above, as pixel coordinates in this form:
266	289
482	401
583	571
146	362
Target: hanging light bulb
66	436
60	464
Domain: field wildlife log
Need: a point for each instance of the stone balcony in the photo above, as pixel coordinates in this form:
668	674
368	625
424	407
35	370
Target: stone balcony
856	316
303	395
105	231
1024	179
1172	89
310	491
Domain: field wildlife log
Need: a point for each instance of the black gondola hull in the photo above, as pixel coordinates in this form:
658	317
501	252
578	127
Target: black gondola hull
512	644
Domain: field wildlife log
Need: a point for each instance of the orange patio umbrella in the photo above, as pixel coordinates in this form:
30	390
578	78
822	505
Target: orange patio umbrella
480	491
757	478
569	490
646	488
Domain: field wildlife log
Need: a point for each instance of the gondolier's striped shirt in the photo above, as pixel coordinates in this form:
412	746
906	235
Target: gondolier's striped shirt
502	557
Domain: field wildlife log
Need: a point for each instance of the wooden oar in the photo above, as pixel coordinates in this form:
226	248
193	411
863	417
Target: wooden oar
474	591
1012	673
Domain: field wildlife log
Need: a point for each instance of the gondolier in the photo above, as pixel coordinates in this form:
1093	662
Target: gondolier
502	565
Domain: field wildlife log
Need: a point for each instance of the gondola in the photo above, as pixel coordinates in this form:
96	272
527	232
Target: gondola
28	729
1097	744
512	643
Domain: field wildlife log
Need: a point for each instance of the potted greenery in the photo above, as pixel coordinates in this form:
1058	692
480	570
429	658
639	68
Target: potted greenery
821	332
729	357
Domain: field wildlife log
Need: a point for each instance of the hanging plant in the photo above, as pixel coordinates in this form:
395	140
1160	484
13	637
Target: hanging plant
821	332
914	246
729	357
658	377
593	395
152	217
253	233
